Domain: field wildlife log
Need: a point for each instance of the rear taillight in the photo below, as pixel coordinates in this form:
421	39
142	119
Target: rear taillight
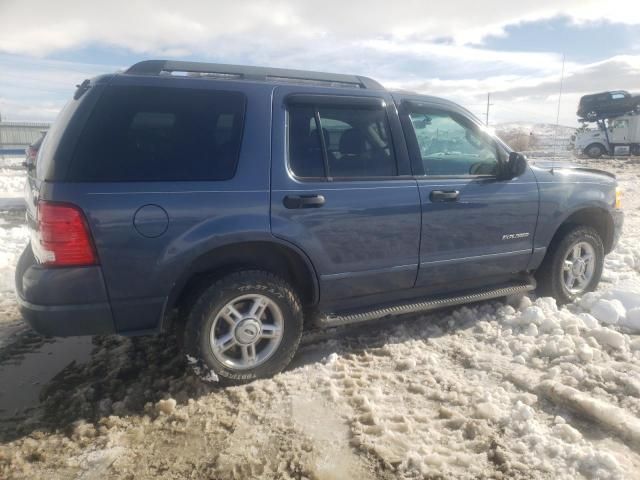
62	238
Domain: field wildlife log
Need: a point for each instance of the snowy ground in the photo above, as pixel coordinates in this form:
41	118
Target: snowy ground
13	238
493	390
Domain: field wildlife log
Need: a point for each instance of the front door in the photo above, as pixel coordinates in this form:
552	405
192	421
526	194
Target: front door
342	190
477	226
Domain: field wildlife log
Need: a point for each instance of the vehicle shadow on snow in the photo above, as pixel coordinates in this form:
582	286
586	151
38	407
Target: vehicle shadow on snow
124	376
119	377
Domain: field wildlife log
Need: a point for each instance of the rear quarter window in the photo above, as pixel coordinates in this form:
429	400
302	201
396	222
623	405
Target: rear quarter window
44	162
160	134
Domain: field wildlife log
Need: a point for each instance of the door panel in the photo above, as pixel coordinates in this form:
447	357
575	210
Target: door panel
487	232
363	240
477	228
364	236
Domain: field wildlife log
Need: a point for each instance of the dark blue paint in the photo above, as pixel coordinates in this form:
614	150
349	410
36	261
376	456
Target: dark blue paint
371	240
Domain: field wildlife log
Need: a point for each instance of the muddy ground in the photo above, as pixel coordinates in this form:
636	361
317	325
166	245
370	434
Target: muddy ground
455	394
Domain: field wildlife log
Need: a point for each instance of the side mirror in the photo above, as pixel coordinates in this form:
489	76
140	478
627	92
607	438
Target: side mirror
516	165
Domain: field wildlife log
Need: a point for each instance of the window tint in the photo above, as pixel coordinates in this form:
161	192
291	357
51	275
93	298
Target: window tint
160	134
449	147
356	141
45	158
359	142
305	151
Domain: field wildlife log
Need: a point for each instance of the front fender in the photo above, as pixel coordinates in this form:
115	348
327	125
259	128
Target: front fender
565	193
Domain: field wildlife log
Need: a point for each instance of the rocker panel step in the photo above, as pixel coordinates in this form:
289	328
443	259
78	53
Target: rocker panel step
334	320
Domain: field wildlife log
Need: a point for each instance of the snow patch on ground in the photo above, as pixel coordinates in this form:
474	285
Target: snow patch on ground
12	177
13	238
495	390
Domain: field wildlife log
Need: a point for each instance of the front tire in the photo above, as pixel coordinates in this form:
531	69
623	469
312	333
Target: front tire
595	150
573	265
245	326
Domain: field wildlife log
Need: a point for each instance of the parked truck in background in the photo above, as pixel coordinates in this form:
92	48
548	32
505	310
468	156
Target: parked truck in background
616	115
613	136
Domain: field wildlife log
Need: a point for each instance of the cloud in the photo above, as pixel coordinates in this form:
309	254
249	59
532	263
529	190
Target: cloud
28	111
432	47
42	27
37	89
535	98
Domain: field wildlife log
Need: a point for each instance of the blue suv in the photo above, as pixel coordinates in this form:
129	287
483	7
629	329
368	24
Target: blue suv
238	206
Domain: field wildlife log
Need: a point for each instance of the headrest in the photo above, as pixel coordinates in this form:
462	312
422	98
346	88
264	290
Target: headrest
352	142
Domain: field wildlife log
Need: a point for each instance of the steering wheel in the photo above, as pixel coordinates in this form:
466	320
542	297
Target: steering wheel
482	168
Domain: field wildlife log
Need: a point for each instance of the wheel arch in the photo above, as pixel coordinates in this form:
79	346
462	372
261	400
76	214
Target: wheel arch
596	217
275	256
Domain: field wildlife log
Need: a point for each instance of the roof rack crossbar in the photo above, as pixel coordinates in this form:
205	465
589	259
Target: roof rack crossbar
156	67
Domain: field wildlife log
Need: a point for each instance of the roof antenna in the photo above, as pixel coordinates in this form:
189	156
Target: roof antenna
555	134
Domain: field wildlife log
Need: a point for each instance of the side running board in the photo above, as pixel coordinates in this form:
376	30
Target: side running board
334	320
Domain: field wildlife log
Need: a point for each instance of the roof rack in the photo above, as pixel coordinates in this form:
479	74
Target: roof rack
157	67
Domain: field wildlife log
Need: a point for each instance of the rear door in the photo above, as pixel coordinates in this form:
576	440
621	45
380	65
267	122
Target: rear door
477	227
342	190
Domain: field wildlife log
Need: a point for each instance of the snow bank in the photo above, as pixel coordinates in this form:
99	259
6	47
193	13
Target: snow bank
424	400
13	239
616	307
617	419
518	390
12	177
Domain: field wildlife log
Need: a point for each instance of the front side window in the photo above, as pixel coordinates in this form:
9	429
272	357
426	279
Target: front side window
355	142
160	134
448	146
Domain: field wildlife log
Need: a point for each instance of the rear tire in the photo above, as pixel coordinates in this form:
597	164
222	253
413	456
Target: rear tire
595	150
555	274
246	325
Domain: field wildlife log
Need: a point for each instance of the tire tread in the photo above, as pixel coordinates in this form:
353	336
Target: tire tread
209	299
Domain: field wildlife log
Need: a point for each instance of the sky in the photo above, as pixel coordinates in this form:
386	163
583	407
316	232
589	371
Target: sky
458	49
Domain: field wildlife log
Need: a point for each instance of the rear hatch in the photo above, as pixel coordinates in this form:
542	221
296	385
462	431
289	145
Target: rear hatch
57	146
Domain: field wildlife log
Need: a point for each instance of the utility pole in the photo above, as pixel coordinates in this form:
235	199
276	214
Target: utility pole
555	133
1	149
488	105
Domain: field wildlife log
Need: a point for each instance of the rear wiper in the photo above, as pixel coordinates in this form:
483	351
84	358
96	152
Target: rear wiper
81	88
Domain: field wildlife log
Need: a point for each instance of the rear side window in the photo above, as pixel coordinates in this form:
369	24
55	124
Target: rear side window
160	134
340	142
51	141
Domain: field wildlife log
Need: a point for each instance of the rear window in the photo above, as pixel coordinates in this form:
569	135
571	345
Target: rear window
160	134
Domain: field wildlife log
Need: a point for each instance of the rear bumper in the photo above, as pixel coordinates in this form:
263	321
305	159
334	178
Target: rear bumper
67	320
62	301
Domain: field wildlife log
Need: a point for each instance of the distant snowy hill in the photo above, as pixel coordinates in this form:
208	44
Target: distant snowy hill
536	139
